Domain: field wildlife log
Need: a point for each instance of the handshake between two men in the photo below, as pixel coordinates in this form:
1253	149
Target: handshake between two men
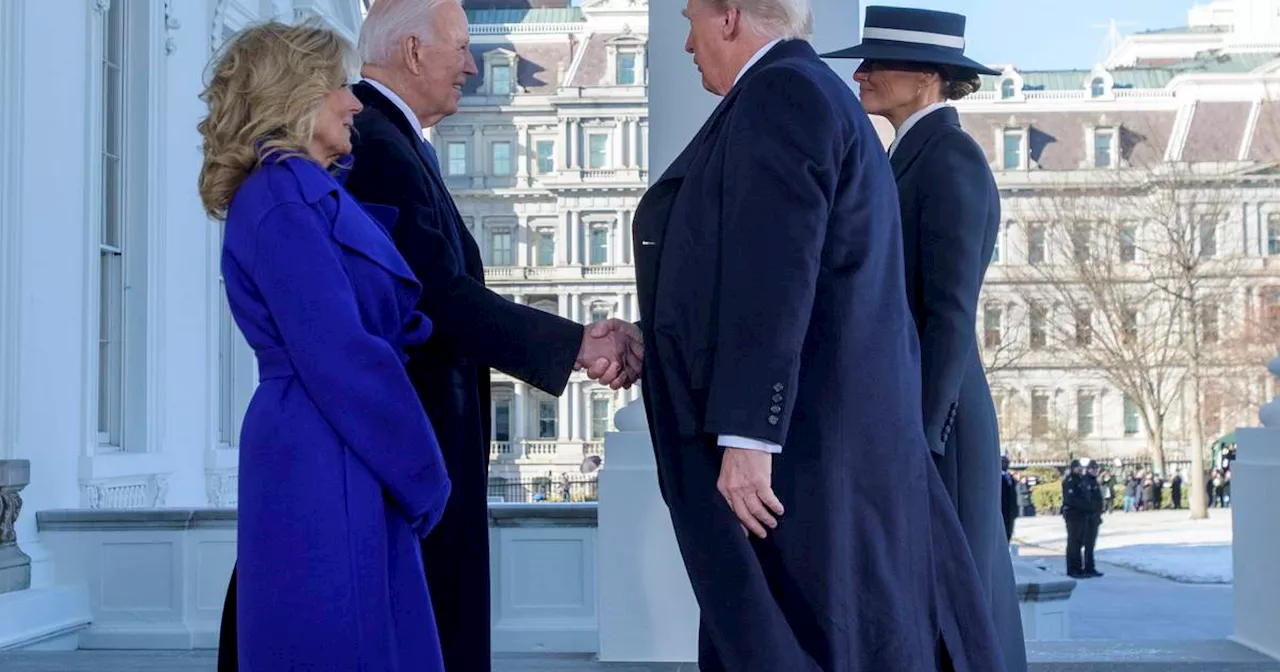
612	353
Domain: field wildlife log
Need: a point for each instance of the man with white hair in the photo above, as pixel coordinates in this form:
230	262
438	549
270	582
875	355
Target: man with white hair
417	57
783	370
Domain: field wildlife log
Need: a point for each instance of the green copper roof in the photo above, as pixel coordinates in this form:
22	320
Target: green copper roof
539	15
1139	77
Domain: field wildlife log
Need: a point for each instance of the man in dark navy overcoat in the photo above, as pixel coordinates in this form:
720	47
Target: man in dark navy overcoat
782	375
417	57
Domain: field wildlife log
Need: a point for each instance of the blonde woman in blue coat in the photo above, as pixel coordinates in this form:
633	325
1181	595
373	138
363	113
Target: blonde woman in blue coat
913	62
340	471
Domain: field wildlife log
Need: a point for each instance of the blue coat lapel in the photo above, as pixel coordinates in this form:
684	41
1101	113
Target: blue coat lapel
919	136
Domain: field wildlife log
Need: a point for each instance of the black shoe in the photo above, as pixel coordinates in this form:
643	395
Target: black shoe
1092	573
1077	575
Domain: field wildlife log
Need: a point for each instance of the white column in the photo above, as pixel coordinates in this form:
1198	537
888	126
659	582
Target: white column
575	411
647	611
618	142
522	153
562	305
575	133
622	250
562	144
575	306
562	417
478	164
520	404
522	237
576	242
635	141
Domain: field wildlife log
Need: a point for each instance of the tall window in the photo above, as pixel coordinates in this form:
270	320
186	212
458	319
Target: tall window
1037	319
1084	327
1035	244
1012	150
500	248
1271	310
1208	239
1103	145
545	150
1209	323
548	415
598	151
1211	410
501	158
1273	233
1130	416
992	320
995	249
1039	414
1084	413
599	417
599	253
457	159
1006	89
1129	325
1097	87
500	82
599	312
545	252
1081	239
111	235
627	69
1128	244
502	419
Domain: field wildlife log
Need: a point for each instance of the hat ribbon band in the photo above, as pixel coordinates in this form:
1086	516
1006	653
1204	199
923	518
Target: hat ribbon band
914	36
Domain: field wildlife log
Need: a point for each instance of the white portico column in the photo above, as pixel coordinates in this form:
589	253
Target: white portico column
1256	529
647	610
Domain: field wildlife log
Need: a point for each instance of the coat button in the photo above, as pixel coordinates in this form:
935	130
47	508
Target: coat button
773	419
777	387
777	398
775	409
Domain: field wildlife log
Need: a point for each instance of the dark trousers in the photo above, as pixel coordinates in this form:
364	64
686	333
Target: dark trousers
227	658
1008	526
1082	535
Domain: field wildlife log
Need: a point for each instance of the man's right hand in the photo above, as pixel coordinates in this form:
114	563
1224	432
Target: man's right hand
612	353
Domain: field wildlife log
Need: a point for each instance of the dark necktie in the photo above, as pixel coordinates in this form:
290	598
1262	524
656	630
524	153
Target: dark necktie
432	157
450	232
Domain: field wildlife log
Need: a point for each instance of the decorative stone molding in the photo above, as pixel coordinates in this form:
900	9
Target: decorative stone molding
15	566
221	488
171	24
101	6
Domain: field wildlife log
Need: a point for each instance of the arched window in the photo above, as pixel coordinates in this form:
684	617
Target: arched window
1098	87
1006	89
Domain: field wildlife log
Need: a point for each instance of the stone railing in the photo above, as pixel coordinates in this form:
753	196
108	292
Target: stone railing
15	566
1256	530
567	577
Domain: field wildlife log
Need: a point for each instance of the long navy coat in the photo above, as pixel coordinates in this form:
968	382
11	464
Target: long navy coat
950	219
340	472
769	269
475	329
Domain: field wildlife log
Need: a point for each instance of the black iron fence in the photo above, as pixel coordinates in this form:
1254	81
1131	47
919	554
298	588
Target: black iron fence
543	490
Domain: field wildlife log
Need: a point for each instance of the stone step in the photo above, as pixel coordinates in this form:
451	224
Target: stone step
1066	656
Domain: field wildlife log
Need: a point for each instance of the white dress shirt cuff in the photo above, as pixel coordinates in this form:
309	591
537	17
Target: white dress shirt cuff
729	441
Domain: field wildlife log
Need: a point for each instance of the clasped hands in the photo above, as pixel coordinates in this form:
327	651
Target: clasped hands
612	353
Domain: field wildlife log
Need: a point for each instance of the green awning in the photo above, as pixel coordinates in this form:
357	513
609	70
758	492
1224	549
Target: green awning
1228	439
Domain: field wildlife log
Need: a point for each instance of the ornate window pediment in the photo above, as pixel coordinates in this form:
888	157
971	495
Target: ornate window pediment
500	72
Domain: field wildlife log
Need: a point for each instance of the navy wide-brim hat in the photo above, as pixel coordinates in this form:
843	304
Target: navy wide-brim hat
913	35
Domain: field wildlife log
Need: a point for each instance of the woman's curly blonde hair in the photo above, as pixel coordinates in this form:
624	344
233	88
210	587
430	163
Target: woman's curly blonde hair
264	91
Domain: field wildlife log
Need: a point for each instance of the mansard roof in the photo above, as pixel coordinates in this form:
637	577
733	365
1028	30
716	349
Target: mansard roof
1141	76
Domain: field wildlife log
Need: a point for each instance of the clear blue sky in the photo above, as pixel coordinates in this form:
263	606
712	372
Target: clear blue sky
1050	34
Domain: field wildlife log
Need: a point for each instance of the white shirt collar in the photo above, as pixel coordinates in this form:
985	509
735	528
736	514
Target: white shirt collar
759	55
399	102
911	121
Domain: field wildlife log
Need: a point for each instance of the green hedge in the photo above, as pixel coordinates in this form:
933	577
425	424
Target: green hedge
1047	498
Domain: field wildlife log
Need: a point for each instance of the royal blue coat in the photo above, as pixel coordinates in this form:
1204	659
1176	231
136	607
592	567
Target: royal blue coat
770	278
340	472
950	218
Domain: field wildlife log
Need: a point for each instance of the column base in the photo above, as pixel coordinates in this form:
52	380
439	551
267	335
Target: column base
44	619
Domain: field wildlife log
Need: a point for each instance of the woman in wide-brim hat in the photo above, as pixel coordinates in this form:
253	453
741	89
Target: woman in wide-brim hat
913	62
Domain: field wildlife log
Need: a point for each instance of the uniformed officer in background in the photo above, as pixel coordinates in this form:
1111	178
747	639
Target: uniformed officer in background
1082	511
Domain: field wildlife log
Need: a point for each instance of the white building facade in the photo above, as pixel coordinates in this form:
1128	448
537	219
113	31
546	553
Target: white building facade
547	160
1191	115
